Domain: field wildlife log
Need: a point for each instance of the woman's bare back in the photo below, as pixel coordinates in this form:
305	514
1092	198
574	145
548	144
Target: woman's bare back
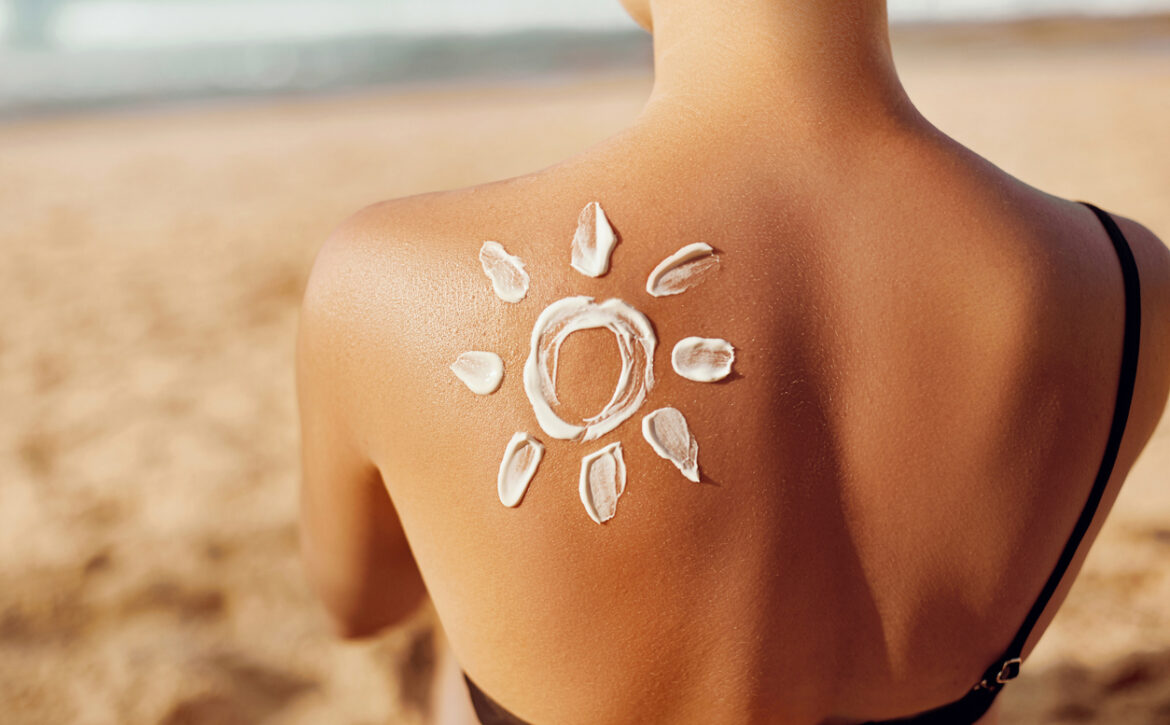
927	356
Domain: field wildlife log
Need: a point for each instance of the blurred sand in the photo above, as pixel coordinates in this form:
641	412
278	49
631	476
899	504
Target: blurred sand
153	263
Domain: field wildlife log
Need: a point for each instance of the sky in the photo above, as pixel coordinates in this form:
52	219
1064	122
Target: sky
124	24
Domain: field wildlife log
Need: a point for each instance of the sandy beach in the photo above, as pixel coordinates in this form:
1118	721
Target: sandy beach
153	265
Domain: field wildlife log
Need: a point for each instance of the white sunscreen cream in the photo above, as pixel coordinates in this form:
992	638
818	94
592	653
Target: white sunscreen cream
603	480
702	359
480	371
636	342
593	243
667	433
682	270
521	458
509	280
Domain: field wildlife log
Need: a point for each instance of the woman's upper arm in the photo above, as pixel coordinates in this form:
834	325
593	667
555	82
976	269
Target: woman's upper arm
352	543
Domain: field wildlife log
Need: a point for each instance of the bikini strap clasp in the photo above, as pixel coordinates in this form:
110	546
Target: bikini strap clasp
994	679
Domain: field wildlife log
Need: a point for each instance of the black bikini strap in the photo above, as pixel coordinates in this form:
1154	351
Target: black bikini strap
487	710
1008	666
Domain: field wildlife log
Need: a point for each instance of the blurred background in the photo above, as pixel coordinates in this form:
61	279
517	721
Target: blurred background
69	54
169	167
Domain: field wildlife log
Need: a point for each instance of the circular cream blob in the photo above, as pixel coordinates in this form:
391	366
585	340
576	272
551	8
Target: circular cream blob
636	341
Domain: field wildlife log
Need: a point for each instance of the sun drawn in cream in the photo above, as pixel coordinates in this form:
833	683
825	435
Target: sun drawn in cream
603	471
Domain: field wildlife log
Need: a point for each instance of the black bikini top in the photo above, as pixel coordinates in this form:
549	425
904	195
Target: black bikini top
978	701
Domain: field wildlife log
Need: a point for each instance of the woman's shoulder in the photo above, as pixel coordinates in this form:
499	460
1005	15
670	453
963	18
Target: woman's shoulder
402	241
398	287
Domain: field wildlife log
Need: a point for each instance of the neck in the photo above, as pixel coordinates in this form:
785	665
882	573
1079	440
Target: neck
792	65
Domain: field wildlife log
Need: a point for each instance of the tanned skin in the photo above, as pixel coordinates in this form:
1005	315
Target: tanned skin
927	361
